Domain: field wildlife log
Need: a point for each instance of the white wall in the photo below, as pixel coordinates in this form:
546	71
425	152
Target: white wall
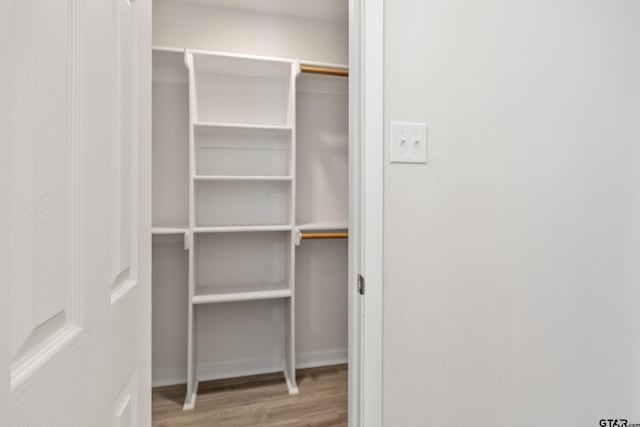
198	26
512	276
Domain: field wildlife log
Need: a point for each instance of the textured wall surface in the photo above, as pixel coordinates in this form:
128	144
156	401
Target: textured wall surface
511	259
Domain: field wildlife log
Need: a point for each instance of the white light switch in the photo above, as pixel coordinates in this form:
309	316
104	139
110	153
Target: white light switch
408	142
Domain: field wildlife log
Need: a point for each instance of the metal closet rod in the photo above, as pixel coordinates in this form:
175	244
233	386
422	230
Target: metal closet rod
329	71
305	236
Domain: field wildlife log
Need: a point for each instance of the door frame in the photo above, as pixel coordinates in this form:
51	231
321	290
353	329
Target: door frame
366	210
5	156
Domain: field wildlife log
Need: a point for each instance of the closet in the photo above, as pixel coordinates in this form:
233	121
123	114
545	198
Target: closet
250	189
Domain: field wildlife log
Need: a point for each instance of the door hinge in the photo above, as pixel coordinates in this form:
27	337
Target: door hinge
360	284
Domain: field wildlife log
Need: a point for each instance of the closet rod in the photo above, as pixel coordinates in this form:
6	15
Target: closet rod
341	72
305	236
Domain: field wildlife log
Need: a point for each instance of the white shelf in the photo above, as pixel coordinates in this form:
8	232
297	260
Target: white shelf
323	226
244	126
168	230
243	228
251	150
169	49
220	294
221	63
241	178
242	203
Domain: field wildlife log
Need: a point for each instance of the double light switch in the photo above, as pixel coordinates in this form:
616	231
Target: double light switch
408	142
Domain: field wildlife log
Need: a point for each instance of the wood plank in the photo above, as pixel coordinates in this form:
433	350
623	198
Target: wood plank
259	400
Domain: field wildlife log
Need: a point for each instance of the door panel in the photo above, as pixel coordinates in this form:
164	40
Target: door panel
79	224
125	155
126	405
44	188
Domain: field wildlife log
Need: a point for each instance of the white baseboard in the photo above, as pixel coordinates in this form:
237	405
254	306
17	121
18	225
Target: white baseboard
168	376
321	358
240	368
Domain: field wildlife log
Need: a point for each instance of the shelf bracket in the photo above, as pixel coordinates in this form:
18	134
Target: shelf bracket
188	59
188	240
298	236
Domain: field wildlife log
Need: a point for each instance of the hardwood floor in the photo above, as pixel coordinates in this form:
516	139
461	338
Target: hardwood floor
260	400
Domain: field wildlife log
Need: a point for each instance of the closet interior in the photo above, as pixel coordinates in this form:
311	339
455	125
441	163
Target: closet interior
250	189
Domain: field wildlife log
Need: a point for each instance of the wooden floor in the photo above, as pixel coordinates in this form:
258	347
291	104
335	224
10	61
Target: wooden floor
259	401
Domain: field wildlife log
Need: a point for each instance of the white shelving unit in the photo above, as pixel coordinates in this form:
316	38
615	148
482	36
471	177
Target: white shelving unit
229	206
240	238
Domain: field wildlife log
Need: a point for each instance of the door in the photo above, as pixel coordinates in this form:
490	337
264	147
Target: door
79	231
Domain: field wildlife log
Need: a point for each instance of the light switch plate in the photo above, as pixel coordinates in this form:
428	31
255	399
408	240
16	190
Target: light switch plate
408	142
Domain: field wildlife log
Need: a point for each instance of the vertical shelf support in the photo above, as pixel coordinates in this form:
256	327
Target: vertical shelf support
290	316
192	381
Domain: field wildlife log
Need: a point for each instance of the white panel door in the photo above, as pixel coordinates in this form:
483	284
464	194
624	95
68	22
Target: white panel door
78	206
